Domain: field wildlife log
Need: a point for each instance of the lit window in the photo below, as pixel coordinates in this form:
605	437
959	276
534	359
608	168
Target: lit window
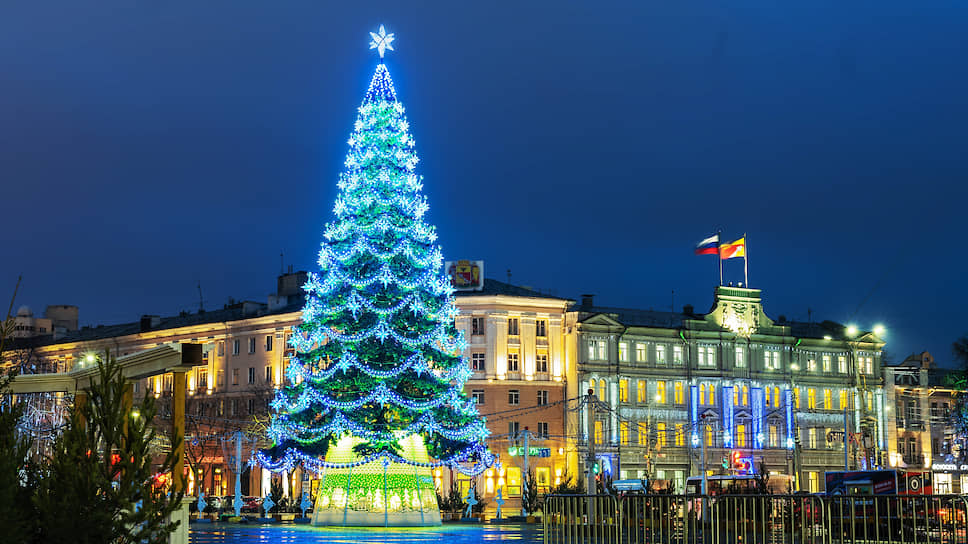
826	364
623	352
477	362
746	395
623	390
741	436
828	399
597	350
844	399
712	395
776	397
680	434
643	434
640	353
660	354
812	398
677	355
707	356
661	431
660	392
842	364
740	357
623	432
599	432
602	390
640	392
811	365
680	395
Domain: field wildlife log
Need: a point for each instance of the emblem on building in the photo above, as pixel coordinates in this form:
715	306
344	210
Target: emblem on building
466	275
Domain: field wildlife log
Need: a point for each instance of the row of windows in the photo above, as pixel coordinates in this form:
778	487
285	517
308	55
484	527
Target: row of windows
514	397
514	428
741	395
237	345
479	362
217	409
706	357
660	434
479	326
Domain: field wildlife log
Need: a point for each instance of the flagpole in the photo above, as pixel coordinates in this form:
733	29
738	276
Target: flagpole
719	255
746	262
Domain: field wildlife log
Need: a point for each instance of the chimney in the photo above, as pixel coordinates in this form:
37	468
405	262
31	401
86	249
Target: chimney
688	309
587	301
148	322
291	283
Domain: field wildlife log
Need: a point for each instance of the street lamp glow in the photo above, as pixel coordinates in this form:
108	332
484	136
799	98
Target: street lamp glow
851	330
89	358
658	397
879	330
135	414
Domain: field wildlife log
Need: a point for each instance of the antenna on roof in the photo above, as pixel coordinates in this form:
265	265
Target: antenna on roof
282	264
201	301
673	307
509	275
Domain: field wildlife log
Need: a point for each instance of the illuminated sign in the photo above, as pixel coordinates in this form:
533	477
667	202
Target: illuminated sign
516	451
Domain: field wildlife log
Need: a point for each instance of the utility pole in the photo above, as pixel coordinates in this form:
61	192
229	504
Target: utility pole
845	439
702	455
590	460
527	474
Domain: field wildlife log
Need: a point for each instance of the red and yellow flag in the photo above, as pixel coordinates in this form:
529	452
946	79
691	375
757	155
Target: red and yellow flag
733	249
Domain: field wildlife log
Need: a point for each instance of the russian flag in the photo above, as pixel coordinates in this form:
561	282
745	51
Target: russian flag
709	246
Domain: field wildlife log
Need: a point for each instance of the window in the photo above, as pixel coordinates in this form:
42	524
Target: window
643	434
269	342
867	365
640	353
235	347
826	364
677	355
542	397
660	354
844	399
514	397
477	395
541	328
796	398
934	410
251	406
234	407
774	435
640	392
702	393
221	348
202	379
477	325
746	395
251	374
811	399
269	374
740	436
828	399
680	438
514	482
740	357
814	478
513	326
712	395
709	435
870	401
623	433
477	362
541	362
811	365
661	432
660	392
596	350
707	357
812	438
771	360
680	394
543	429
602	390
235	376
514	428
623	352
623	390
842	364
766	396
221	378
599	432
512	362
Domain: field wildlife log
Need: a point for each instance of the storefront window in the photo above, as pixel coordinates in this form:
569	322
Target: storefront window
514	481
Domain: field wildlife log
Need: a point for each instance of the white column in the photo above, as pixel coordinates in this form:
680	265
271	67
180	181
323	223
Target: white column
555	356
528	346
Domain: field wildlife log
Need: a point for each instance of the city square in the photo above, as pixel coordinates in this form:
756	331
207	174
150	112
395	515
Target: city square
414	373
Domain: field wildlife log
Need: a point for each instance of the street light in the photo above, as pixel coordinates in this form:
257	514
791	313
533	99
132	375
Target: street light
879	330
851	330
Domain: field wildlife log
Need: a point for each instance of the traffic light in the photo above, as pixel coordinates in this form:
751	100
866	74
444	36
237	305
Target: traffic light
597	468
737	460
726	463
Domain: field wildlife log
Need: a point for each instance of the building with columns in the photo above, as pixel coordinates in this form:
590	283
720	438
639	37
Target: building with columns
514	347
677	384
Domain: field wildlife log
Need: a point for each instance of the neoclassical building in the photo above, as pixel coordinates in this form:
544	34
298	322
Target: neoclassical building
733	379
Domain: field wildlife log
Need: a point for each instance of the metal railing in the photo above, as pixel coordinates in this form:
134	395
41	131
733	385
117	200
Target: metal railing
755	519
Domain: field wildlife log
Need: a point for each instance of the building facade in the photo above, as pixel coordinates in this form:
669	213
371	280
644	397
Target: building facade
514	347
687	391
923	436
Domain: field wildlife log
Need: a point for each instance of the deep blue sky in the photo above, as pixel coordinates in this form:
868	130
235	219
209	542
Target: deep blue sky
587	146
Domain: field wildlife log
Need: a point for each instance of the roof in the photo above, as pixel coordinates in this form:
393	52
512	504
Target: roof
234	312
635	318
495	287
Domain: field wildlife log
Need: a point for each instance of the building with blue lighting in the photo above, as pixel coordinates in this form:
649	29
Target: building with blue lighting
776	395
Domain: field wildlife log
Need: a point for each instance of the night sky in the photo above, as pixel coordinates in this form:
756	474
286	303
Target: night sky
586	146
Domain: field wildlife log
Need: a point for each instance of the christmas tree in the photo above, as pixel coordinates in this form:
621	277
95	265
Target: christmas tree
375	396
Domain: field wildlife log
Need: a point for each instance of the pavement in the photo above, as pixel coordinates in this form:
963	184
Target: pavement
452	533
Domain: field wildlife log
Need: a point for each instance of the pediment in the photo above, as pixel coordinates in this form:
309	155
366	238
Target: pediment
601	319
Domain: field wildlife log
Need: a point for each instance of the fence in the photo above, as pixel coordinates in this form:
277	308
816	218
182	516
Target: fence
755	519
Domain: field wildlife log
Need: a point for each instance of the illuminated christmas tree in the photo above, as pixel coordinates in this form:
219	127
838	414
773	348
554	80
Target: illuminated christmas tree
375	396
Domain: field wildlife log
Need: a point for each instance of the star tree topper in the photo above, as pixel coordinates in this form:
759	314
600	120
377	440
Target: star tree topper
382	41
